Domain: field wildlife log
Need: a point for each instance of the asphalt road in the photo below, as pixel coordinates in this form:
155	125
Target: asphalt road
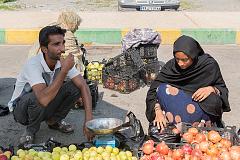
13	57
112	5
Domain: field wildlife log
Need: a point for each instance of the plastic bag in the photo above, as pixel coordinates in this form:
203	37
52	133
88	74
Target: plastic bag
132	137
4	110
166	135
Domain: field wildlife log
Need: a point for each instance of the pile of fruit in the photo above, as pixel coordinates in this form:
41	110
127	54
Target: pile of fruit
72	153
94	71
5	155
200	146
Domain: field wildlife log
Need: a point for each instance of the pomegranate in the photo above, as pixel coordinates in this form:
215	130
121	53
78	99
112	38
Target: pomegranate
162	148
214	136
147	148
197	153
187	149
226	143
177	154
200	137
150	142
156	156
225	155
235	152
188	137
193	130
145	157
212	151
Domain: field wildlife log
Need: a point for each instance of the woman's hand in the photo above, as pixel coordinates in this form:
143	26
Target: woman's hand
202	93
160	119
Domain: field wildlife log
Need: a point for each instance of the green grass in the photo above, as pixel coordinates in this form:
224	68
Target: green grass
186	5
5	6
5	1
97	3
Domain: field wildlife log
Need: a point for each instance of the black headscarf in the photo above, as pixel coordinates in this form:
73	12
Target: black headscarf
203	72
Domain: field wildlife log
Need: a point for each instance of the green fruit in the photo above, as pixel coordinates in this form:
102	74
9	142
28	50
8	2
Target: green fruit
55	156
14	158
113	158
57	149
92	149
115	150
22	154
123	155
105	154
134	158
65	149
19	151
37	158
93	153
72	147
128	153
71	153
63	152
78	156
109	149
31	150
64	157
84	150
28	157
100	150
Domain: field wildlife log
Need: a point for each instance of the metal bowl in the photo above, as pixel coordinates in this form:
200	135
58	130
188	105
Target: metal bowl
104	125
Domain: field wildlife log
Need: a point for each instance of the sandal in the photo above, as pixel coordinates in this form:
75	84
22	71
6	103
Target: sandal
62	126
26	139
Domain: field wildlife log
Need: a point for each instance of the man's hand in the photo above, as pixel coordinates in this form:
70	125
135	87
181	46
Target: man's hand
87	133
160	119
67	63
202	93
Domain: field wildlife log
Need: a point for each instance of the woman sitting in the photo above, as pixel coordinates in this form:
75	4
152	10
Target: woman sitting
190	88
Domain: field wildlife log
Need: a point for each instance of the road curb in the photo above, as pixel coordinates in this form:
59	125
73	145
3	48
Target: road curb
113	36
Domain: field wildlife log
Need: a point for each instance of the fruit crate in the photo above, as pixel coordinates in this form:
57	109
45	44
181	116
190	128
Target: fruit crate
120	61
146	51
125	81
94	71
150	71
228	132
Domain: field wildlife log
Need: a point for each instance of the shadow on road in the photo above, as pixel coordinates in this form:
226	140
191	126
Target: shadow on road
10	131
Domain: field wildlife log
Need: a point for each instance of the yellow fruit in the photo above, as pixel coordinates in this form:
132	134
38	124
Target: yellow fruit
15	158
128	153
78	156
65	149
28	157
84	150
134	158
57	149
64	157
109	149
19	151
115	150
55	156
7	153
72	147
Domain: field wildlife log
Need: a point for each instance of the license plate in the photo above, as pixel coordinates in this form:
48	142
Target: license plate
150	8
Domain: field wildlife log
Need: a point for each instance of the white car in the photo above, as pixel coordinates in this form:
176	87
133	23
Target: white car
143	5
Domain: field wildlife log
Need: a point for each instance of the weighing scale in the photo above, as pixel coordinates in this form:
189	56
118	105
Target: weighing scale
103	129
